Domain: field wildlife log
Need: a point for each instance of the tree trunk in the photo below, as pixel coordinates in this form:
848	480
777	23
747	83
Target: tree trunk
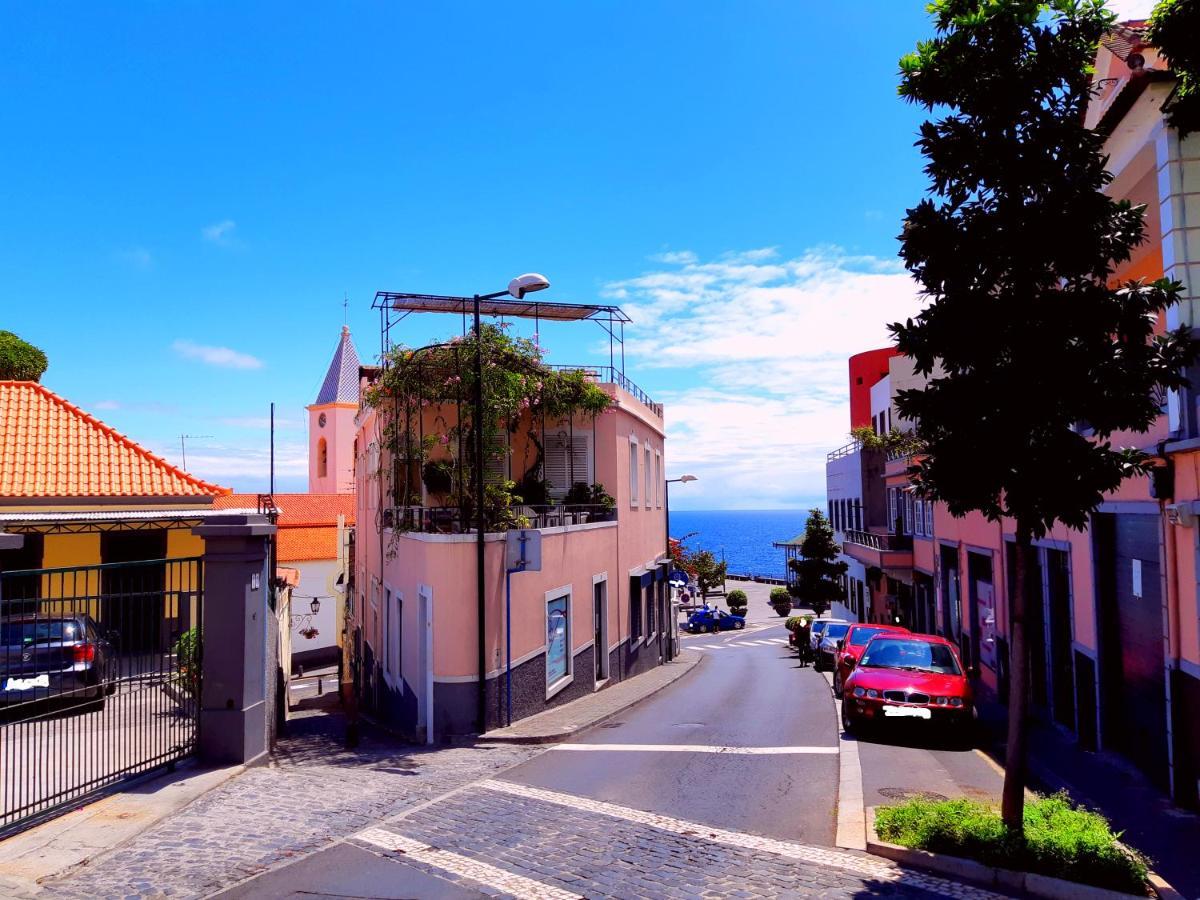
1013	801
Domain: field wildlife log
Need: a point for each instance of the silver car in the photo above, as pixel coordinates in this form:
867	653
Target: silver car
827	646
817	628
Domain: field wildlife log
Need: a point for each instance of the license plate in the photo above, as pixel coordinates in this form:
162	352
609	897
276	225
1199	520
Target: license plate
25	684
911	712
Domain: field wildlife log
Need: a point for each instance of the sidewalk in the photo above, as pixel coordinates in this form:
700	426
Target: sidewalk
562	722
1168	835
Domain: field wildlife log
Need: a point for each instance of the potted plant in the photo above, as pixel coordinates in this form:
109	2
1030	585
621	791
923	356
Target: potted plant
438	475
781	601
737	602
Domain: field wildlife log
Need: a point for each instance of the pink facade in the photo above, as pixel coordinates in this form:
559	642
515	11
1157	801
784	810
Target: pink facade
416	604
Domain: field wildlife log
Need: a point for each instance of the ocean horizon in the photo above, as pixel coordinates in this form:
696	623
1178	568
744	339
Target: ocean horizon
743	536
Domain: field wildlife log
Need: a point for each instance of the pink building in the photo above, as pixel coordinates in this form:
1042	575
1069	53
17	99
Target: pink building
598	610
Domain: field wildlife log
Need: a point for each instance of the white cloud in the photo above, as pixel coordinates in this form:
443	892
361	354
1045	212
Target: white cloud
259	423
106	404
225	463
216	356
1132	9
674	257
765	342
220	232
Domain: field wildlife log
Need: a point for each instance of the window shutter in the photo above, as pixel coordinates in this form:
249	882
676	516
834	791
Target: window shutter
567	461
495	466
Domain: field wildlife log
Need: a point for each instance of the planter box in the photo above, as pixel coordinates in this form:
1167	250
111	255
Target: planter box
989	876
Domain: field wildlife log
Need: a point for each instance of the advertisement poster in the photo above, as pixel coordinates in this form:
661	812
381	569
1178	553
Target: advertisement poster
556	640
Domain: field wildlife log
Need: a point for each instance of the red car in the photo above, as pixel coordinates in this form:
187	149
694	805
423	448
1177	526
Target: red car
851	647
910	677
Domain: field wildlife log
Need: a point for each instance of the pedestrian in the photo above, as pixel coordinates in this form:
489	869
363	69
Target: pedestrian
803	630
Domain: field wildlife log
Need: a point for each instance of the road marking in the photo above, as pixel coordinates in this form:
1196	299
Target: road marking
866	866
699	748
464	866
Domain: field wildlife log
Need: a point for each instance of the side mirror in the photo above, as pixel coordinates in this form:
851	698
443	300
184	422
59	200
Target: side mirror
972	672
849	662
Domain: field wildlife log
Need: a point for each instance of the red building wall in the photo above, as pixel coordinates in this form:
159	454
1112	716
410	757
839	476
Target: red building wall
866	370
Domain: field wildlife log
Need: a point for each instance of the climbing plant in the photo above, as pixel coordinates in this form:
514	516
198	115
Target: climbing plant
1175	30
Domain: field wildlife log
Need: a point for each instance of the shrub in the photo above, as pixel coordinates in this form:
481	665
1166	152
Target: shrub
736	598
1061	839
439	477
20	360
582	493
187	660
781	597
792	623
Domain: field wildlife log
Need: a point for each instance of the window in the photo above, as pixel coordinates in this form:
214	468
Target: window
651	604
633	472
649	476
635	609
658	479
322	458
558	640
858	517
920	524
893	512
394	612
929	518
908	512
568	460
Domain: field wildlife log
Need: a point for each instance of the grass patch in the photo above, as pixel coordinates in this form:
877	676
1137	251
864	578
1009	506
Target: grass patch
1061	839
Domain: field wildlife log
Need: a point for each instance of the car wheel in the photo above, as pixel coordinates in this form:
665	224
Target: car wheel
837	685
710	628
740	625
848	723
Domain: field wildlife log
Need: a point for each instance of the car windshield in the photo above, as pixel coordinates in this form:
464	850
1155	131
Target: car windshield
836	630
37	632
819	626
915	656
861	635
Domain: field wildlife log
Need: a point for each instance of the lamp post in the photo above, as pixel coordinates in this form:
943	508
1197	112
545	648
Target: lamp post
682	479
518	287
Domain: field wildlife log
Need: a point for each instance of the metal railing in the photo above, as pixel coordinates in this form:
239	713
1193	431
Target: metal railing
99	679
881	542
847	450
613	375
456	520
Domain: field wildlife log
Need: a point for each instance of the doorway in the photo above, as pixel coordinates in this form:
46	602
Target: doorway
425	640
132	595
600	627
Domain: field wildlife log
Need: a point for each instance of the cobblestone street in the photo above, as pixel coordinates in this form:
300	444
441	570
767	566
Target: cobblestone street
313	792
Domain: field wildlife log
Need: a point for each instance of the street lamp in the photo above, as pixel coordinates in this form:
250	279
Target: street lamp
518	288
682	479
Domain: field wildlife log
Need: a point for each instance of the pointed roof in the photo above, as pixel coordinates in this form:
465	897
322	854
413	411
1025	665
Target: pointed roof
341	381
51	448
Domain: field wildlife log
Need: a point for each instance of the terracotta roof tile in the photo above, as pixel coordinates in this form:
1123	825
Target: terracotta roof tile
298	509
51	448
294	544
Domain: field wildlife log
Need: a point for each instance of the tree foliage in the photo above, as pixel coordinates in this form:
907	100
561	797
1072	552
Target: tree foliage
1015	250
709	573
818	571
20	360
1175	31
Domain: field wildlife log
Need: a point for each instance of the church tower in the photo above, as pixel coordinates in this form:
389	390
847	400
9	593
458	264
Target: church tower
331	424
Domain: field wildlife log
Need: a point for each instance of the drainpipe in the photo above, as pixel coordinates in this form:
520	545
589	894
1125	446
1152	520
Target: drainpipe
1171	612
480	524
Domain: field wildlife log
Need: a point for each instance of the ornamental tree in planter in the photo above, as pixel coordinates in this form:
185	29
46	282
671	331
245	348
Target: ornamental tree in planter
781	601
1030	334
737	602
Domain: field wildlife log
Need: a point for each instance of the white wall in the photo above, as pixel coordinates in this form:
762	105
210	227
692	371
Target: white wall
317	579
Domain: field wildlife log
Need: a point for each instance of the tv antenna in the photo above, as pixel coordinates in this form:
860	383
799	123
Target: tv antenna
183	439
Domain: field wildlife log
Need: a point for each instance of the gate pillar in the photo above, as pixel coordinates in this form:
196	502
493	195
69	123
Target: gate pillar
233	689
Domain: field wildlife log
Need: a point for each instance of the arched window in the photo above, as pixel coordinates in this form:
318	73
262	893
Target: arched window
322	458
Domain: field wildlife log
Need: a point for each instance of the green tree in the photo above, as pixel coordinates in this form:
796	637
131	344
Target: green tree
20	360
1174	26
818	571
1014	250
709	573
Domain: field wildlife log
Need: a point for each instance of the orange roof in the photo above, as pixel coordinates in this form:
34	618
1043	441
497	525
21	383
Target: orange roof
297	543
296	510
51	448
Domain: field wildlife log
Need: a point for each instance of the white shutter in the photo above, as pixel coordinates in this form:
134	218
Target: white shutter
568	459
495	466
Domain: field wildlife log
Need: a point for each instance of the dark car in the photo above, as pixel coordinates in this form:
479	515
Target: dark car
55	657
908	677
851	647
714	620
827	644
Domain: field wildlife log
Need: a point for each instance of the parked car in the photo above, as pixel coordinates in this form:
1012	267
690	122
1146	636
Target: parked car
827	645
851	647
817	629
709	619
55	657
909	677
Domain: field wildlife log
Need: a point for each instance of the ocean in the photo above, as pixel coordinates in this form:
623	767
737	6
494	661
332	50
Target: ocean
745	536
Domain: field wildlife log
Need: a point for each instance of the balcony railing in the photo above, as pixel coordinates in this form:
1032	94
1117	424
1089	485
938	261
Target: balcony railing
884	543
451	519
613	375
848	450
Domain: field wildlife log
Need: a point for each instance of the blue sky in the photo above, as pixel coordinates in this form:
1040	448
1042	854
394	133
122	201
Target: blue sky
191	189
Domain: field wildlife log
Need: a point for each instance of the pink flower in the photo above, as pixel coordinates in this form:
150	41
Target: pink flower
444	439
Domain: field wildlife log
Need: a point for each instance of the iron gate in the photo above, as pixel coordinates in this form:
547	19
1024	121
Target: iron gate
99	679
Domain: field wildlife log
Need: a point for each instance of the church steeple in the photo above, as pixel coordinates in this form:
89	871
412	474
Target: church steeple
331	423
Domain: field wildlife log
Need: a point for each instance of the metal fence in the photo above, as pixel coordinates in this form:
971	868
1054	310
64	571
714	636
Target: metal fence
99	679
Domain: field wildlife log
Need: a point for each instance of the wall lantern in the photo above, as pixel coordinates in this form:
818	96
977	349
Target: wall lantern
315	606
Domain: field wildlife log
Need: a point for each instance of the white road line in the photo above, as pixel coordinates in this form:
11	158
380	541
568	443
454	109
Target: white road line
464	866
699	748
866	866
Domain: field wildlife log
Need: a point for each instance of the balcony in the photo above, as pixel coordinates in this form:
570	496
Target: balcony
613	375
456	520
893	553
841	452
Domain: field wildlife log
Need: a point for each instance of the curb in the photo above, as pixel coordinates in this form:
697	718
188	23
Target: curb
1027	883
559	734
